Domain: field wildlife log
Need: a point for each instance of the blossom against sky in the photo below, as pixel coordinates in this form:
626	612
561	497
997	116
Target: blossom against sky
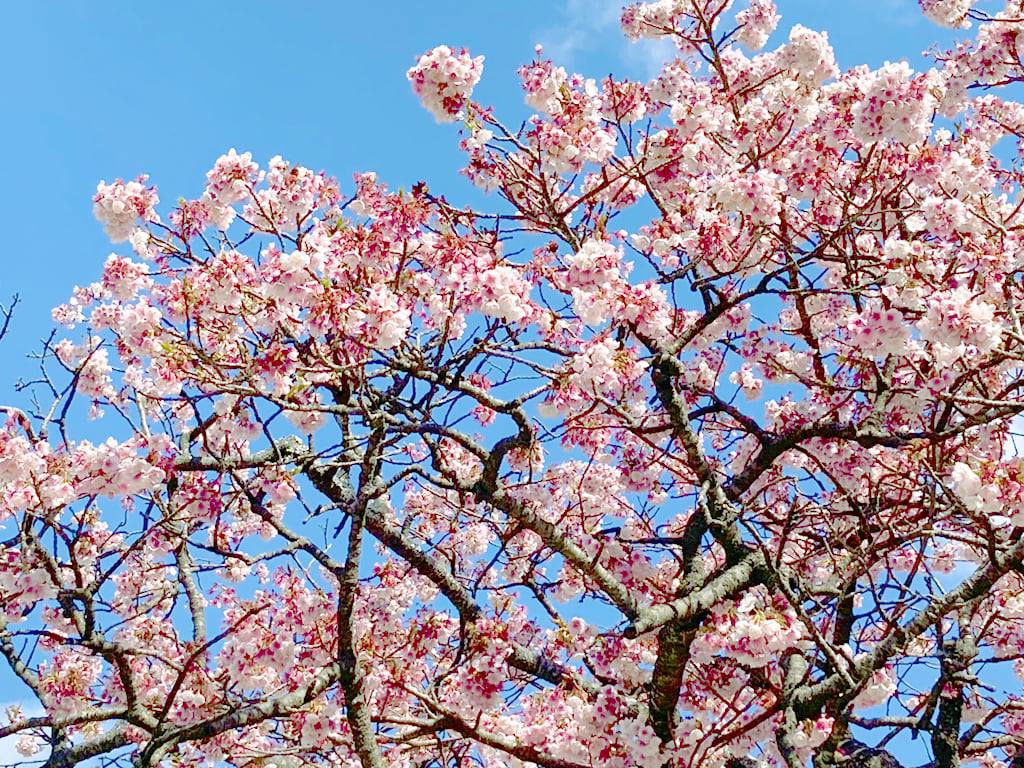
99	91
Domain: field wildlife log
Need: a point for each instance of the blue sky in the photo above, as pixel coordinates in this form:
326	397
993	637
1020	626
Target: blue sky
100	90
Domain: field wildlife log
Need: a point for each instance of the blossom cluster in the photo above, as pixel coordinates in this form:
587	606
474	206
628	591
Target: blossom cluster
444	79
692	443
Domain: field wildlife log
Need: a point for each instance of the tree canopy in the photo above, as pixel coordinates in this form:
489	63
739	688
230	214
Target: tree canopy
691	446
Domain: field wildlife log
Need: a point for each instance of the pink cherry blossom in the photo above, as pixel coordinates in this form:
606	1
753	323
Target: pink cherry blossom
757	22
948	13
689	440
122	205
444	79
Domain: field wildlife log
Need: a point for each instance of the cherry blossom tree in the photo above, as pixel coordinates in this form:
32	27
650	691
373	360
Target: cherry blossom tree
690	446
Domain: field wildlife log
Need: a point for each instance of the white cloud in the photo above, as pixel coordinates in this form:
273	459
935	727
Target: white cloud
582	21
592	26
